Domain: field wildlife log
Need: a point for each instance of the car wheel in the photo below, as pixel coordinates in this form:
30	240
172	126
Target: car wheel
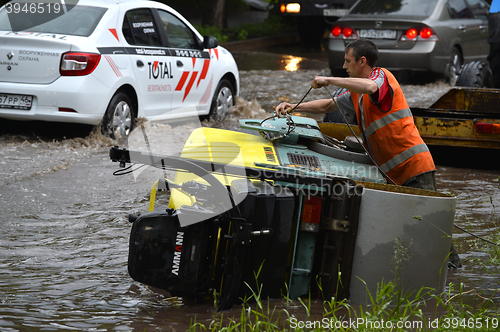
475	74
454	66
119	118
223	101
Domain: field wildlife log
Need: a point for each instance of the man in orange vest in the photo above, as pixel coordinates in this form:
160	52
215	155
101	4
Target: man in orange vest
385	121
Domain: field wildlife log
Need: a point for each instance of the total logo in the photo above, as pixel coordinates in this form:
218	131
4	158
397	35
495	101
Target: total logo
159	69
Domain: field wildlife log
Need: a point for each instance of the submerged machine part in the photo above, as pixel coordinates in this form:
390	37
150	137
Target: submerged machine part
287	217
165	255
407	242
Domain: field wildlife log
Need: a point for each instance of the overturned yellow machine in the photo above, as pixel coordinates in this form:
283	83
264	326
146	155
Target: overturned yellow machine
288	201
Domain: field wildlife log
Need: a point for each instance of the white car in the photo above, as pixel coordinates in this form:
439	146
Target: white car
109	62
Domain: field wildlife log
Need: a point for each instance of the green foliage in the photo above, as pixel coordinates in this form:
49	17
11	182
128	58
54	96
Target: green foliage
272	26
208	30
243	35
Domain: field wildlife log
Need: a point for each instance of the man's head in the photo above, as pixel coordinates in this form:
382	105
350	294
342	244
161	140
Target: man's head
360	57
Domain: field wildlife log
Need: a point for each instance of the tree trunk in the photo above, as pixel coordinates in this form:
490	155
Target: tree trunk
215	14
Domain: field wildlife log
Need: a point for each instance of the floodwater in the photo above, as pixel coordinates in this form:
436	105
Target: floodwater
64	229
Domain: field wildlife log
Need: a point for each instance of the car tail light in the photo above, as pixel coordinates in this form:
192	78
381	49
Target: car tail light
336	31
347	32
339	31
426	33
78	64
290	8
311	213
419	34
487	128
411	33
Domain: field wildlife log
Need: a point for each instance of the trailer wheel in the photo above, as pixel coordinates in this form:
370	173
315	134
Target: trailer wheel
475	74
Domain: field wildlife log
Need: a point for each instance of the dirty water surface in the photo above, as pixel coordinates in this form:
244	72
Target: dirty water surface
64	229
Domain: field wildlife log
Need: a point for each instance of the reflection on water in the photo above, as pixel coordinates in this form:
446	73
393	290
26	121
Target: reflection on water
270	61
291	63
64	242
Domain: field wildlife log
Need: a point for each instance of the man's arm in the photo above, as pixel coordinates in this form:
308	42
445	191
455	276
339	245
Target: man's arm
354	84
315	106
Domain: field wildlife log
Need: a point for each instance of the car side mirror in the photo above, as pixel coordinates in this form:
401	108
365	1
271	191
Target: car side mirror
210	42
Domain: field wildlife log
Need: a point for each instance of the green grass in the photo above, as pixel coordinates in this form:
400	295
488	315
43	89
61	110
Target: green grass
389	309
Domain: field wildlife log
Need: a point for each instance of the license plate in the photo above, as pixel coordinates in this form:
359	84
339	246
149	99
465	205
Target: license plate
335	12
20	102
377	34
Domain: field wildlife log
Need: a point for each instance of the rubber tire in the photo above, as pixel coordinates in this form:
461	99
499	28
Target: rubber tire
118	121
311	30
475	74
223	100
454	66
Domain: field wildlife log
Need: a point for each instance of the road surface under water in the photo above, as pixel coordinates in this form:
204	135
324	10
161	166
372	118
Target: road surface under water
64	229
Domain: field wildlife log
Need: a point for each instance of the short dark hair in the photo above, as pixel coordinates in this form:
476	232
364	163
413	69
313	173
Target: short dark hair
364	47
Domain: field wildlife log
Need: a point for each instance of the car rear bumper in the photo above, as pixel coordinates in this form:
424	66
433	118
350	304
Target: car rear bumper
87	96
422	57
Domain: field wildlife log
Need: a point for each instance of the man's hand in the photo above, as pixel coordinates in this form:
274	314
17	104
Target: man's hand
284	108
319	81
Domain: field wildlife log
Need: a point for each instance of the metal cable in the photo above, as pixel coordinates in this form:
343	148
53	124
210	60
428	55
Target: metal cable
477	236
340	111
357	138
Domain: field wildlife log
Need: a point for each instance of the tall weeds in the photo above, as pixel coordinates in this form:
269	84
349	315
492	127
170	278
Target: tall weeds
389	309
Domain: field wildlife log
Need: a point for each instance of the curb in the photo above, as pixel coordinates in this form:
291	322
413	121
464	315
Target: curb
256	43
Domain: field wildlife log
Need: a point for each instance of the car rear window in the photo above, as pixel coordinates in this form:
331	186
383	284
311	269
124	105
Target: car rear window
78	20
399	8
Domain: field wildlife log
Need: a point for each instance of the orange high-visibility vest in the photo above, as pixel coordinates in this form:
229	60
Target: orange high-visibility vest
391	136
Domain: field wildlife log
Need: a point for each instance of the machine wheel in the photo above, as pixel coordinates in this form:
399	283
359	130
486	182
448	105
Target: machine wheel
454	65
223	101
119	118
475	74
311	31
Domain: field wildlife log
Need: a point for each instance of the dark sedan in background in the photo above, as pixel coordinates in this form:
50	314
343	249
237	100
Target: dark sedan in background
435	36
